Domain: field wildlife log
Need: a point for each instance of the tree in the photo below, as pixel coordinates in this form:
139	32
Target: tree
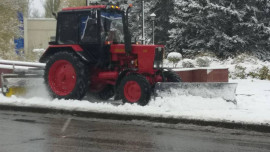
51	6
163	9
257	25
9	26
73	3
135	20
224	27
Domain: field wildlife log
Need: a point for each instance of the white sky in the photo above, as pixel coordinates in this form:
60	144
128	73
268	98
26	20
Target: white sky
37	5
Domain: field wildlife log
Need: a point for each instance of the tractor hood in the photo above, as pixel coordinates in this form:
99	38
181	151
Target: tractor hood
150	57
136	49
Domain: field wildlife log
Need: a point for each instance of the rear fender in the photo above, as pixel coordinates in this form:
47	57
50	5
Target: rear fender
71	48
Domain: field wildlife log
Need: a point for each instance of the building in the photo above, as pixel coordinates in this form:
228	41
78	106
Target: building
38	32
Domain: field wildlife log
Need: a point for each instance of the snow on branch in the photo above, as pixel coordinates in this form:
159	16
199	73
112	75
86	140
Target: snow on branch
226	10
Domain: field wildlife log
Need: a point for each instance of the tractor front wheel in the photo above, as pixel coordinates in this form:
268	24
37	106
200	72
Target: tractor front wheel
135	88
66	76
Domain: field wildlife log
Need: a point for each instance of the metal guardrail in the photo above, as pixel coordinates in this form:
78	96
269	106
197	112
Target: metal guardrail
23	64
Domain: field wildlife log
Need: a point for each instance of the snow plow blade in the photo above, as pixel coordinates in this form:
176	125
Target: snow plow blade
18	77
19	85
226	91
18	91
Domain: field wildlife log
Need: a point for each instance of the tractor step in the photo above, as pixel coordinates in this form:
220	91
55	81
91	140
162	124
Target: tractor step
225	91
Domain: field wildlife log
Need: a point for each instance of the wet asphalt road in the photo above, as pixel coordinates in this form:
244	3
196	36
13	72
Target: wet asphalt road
30	132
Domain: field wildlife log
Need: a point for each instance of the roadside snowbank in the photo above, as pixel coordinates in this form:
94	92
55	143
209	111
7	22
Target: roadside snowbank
253	106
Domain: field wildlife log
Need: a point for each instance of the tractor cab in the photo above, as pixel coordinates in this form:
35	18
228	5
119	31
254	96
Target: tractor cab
91	29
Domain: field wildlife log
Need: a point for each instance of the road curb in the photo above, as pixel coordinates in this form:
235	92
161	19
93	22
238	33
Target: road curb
265	128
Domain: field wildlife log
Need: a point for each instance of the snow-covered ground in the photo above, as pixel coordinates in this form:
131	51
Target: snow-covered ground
253	105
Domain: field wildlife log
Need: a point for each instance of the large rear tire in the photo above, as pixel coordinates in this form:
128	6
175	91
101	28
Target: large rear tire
66	76
135	88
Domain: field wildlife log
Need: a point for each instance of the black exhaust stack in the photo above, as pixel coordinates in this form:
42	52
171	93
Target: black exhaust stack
127	35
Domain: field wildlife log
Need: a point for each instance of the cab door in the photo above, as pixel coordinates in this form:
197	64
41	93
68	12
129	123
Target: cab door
89	35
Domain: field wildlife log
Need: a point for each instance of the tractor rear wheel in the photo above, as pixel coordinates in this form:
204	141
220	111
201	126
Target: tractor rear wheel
170	76
66	76
135	88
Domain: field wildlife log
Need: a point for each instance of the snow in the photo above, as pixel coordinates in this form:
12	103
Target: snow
251	64
39	50
253	105
201	68
175	55
225	91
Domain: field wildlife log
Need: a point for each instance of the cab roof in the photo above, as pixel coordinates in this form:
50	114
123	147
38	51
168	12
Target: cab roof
85	7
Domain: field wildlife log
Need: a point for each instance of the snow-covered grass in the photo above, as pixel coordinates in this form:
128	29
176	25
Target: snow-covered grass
253	105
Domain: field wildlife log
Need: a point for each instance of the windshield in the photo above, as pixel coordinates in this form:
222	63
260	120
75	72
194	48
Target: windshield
112	27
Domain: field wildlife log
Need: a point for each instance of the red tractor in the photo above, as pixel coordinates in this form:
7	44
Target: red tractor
93	52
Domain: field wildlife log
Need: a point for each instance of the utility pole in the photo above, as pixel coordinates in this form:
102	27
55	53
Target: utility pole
143	32
153	17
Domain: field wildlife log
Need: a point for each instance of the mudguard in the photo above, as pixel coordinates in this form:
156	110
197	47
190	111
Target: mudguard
55	48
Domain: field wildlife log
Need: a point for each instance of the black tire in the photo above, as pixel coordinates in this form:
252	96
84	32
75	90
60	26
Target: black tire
170	76
144	86
81	83
106	93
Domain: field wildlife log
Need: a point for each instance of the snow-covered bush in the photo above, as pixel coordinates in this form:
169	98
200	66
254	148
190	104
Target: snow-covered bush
203	62
188	63
174	57
245	58
240	72
247	66
264	73
253	75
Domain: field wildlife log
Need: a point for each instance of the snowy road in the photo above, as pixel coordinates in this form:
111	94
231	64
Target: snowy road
29	132
253	107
